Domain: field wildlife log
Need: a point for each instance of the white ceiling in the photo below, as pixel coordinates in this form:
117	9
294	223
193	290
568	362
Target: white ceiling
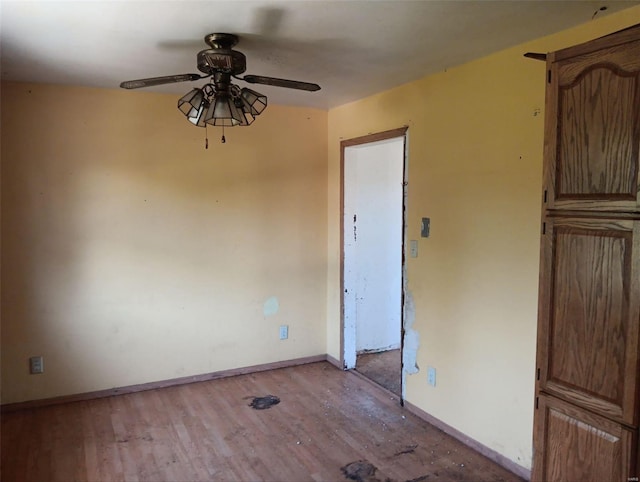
351	48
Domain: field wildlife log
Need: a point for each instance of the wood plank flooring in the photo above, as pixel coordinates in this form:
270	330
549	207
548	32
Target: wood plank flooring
384	368
326	420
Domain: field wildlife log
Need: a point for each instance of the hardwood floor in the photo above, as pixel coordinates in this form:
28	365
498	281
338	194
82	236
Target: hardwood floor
384	368
326	420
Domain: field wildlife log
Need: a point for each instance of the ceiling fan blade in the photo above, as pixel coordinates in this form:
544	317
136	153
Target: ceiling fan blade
269	19
167	79
289	84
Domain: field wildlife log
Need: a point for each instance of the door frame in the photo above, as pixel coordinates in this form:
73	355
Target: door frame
357	141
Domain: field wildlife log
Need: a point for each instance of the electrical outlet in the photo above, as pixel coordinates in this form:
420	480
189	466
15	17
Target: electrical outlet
36	365
414	248
431	376
284	332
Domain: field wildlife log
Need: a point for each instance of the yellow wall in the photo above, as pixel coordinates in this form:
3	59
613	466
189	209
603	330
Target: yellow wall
474	167
131	254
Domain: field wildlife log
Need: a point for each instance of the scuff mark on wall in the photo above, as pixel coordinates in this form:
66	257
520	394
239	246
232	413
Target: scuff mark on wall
411	340
271	306
355	233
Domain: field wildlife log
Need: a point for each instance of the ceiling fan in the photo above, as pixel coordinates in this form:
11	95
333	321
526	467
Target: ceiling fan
221	103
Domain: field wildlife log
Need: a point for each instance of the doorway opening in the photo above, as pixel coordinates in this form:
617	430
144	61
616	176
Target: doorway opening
373	171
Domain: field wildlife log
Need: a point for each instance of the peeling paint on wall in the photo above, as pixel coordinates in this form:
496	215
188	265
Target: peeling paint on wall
411	340
271	306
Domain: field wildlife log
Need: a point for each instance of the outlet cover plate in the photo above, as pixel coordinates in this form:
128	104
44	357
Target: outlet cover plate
36	365
284	332
413	247
431	376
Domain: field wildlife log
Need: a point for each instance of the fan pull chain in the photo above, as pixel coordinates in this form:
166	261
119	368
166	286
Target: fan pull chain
223	140
206	137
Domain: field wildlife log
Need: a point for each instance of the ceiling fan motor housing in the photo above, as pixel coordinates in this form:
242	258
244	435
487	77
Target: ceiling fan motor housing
225	61
220	58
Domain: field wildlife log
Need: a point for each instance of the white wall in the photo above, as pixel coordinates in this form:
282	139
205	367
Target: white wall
373	242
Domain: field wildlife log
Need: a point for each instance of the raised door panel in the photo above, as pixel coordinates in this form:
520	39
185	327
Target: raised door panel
572	444
589	314
593	131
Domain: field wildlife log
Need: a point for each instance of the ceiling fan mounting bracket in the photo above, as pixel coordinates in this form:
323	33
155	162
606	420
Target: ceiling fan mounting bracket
221	40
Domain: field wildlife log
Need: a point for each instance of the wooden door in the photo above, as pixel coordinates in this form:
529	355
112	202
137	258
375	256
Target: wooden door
575	445
588	337
592	125
588	374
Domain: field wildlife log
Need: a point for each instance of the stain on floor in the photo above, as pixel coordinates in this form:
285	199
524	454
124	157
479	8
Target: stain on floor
419	479
262	403
360	471
409	449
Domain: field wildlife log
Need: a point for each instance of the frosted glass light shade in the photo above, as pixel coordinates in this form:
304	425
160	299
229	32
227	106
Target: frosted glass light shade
256	101
224	112
193	105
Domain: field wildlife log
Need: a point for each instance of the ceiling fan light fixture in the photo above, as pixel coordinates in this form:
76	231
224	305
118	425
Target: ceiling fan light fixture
245	109
199	119
193	105
257	102
191	101
224	112
220	102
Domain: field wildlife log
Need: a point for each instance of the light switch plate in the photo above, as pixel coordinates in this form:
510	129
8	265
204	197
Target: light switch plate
425	227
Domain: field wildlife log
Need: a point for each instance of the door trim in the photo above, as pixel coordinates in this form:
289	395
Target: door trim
356	141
